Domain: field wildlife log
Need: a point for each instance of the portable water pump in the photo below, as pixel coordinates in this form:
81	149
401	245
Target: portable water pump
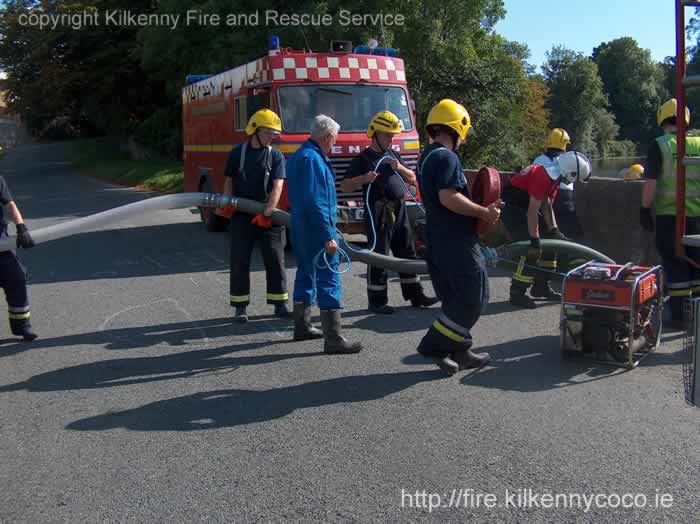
612	313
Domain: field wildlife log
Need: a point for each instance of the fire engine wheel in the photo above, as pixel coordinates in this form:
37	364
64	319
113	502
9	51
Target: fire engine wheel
213	222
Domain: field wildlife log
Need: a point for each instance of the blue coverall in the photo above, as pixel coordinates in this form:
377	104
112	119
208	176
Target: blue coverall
311	187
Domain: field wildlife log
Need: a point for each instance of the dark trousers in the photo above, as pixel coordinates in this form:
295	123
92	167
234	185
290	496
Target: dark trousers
528	271
272	240
459	276
567	220
14	282
682	279
393	231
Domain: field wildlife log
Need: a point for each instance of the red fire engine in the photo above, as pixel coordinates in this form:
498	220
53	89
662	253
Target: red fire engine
348	85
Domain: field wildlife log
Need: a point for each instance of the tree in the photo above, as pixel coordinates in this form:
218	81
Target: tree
634	85
576	94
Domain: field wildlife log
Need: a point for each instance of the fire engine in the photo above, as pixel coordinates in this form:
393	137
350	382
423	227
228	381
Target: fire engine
348	84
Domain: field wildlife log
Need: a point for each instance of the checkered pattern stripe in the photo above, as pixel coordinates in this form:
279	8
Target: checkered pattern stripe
372	68
257	71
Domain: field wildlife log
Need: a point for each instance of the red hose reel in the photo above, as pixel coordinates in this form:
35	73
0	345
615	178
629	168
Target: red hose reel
485	190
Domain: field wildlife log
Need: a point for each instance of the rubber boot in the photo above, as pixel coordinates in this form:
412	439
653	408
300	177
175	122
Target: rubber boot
303	330
424	301
241	316
281	311
543	290
335	342
471	360
433	347
22	328
384	309
519	298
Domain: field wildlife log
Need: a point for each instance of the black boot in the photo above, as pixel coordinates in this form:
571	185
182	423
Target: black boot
335	342
471	360
433	346
522	300
22	328
281	311
303	330
424	301
384	309
241	316
542	289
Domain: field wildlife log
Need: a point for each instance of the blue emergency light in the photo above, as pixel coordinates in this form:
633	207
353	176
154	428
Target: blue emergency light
193	79
365	50
274	43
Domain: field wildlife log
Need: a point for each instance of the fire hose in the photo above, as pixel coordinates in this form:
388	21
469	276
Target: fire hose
506	252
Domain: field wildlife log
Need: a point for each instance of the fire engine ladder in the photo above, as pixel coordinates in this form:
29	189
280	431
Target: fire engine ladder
691	372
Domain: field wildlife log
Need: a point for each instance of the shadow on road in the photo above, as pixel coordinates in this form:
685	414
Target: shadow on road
535	364
175	334
139	370
235	407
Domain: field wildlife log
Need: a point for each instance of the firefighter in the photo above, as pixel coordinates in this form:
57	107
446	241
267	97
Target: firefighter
530	194
313	197
256	171
659	190
454	258
389	216
565	211
12	277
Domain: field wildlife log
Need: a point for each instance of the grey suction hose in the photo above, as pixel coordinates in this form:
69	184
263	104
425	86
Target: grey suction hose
511	252
252	207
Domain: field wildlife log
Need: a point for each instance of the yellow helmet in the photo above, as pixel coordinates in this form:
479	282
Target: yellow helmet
263	118
669	110
633	172
558	139
384	122
451	114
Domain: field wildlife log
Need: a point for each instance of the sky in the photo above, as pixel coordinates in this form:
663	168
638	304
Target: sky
582	25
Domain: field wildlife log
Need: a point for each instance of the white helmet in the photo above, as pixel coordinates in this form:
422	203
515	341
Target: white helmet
573	166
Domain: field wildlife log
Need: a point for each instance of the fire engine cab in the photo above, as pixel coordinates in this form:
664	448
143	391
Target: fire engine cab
349	85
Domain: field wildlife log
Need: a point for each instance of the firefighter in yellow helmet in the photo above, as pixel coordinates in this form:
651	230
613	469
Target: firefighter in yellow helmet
454	258
682	279
564	208
379	171
256	171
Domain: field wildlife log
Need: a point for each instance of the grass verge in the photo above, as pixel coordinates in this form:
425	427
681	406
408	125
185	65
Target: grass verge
103	159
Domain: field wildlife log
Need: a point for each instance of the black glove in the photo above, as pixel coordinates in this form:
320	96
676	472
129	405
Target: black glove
557	235
534	251
645	219
24	239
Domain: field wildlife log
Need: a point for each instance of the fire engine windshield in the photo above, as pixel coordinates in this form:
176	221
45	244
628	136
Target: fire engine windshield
352	106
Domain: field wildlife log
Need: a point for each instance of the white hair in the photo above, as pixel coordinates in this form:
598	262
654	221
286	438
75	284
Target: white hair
324	125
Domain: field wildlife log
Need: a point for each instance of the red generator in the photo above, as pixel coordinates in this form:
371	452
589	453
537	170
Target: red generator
612	313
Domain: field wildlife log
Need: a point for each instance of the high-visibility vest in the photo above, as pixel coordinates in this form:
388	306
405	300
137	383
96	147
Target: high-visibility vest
666	184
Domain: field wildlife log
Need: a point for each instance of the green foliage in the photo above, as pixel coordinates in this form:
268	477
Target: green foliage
620	148
634	85
576	96
103	159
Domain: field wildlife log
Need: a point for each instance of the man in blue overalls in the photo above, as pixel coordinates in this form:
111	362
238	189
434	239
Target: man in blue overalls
12	278
455	262
312	195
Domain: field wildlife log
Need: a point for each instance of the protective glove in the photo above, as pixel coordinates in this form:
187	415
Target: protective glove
534	251
557	235
24	239
645	219
262	221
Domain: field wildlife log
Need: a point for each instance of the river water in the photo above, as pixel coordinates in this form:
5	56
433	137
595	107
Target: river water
611	167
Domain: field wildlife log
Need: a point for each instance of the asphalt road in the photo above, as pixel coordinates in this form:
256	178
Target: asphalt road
141	401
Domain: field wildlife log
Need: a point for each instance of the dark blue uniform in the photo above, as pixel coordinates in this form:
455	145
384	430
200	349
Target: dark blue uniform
393	228
12	277
254	181
455	261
